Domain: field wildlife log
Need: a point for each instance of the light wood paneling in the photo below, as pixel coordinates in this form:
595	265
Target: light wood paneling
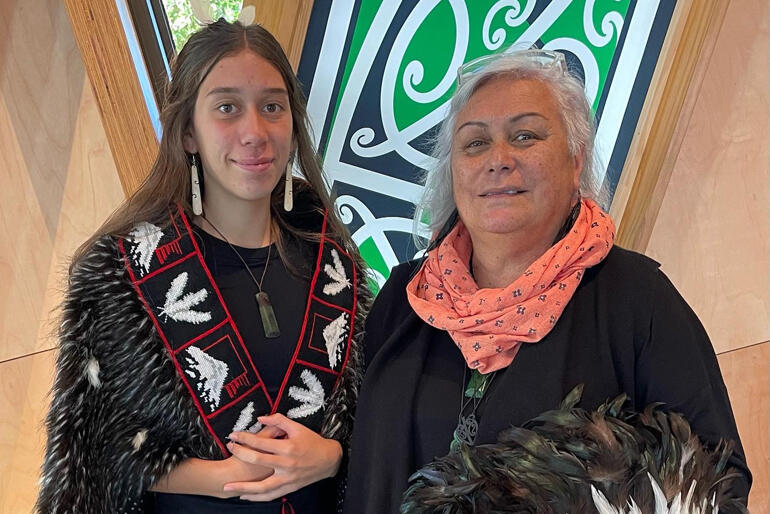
41	80
42	73
666	109
91	192
34	263
287	20
711	233
25	248
746	374
103	46
24	386
59	183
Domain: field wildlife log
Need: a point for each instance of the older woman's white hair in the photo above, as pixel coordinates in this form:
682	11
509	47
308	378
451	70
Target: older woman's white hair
437	203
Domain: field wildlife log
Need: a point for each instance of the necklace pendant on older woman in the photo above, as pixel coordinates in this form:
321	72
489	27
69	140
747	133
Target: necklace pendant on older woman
266	312
465	433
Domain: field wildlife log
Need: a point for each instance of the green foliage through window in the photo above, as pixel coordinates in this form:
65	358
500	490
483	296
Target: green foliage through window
183	23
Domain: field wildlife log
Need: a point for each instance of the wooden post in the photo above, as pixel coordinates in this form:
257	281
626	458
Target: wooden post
100	36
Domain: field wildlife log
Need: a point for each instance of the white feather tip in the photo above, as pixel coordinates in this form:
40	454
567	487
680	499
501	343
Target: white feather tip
139	439
92	372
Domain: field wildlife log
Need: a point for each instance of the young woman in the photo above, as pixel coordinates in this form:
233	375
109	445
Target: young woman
209	341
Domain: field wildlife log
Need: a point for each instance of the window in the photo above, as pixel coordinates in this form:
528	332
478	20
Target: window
185	16
163	27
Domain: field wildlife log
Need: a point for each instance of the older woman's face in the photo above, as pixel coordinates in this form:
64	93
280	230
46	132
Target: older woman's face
511	169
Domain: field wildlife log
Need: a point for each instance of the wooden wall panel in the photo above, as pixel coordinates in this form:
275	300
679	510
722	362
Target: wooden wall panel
711	234
59	183
678	74
33	262
746	374
91	192
24	386
41	80
25	247
42	72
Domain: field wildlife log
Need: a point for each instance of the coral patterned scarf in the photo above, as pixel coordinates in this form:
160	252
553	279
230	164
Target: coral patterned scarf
489	325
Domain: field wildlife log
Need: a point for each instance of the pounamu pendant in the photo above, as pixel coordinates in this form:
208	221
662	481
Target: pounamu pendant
477	385
269	322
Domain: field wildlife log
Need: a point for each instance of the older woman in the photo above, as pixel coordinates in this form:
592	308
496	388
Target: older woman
522	295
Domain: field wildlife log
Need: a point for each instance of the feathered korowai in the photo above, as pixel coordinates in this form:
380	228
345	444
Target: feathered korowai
611	461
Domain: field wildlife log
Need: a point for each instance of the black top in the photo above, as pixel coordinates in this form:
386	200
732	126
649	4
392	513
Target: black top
626	329
288	294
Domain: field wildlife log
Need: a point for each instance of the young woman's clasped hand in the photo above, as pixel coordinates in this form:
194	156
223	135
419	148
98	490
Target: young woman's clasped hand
298	456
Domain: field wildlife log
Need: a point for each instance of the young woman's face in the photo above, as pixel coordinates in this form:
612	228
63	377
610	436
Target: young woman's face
242	129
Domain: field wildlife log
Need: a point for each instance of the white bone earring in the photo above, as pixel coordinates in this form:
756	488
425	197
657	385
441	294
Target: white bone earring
197	204
288	195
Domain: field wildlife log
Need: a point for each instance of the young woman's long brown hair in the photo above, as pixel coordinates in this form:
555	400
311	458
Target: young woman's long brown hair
169	179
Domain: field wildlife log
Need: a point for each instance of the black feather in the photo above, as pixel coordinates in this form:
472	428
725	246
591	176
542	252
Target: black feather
549	464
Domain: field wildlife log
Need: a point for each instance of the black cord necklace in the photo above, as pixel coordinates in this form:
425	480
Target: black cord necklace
266	312
468	426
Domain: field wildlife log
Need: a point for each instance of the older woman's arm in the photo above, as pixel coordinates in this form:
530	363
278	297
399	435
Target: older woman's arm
677	366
